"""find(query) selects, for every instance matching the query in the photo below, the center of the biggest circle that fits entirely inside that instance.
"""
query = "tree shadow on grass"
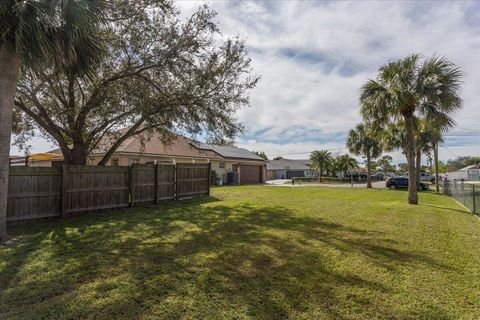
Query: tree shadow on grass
(443, 208)
(200, 259)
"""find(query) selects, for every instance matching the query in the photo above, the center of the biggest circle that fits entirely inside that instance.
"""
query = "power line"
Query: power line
(449, 151)
(297, 153)
(469, 129)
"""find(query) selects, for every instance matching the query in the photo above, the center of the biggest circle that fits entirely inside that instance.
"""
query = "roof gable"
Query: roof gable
(231, 152)
(286, 164)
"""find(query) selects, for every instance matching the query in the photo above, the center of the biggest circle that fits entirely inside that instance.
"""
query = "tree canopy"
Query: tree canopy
(319, 160)
(408, 89)
(460, 162)
(261, 154)
(360, 141)
(158, 73)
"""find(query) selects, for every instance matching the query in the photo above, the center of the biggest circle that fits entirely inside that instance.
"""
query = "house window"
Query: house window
(222, 165)
(115, 162)
(235, 167)
(287, 168)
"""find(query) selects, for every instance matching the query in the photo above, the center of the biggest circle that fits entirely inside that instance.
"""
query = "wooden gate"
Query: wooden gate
(193, 180)
(89, 188)
(152, 183)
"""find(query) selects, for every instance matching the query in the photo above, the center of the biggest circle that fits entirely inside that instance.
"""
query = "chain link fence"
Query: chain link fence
(464, 192)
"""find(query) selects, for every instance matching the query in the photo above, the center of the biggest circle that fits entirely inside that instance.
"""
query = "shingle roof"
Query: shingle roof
(179, 146)
(473, 166)
(288, 164)
(154, 145)
(230, 152)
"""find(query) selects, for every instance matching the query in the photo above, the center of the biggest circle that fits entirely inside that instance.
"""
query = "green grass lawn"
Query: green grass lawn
(251, 253)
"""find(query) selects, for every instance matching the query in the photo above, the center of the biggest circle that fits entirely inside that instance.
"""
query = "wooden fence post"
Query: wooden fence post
(131, 173)
(209, 177)
(473, 199)
(175, 186)
(64, 190)
(156, 183)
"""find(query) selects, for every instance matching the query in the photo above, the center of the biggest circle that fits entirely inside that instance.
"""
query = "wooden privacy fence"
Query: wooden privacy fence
(35, 193)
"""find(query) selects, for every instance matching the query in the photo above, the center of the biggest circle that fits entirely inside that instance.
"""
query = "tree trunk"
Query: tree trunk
(75, 156)
(418, 164)
(321, 170)
(435, 160)
(79, 156)
(9, 66)
(369, 171)
(410, 153)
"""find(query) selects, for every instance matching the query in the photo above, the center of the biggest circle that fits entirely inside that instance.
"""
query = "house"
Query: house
(287, 169)
(135, 150)
(251, 168)
(470, 173)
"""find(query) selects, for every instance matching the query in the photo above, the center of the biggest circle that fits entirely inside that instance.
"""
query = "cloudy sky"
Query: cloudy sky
(314, 56)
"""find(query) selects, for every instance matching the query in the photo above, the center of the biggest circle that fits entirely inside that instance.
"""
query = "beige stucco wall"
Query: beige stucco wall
(40, 163)
(125, 160)
(222, 172)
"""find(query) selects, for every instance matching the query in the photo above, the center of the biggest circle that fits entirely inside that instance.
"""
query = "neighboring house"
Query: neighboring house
(17, 161)
(287, 169)
(471, 173)
(249, 166)
(36, 160)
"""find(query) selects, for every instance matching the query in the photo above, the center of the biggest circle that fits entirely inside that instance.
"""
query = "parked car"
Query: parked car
(378, 176)
(427, 177)
(402, 182)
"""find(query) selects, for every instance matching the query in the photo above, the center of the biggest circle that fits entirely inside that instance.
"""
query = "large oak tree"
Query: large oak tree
(158, 73)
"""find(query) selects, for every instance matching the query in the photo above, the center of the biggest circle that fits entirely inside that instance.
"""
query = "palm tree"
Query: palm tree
(35, 34)
(361, 142)
(346, 163)
(319, 160)
(428, 133)
(408, 88)
(332, 166)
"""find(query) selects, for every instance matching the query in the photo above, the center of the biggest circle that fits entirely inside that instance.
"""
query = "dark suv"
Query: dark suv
(402, 182)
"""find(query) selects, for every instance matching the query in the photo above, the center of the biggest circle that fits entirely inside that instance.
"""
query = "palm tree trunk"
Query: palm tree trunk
(410, 153)
(435, 160)
(9, 66)
(369, 171)
(321, 170)
(418, 164)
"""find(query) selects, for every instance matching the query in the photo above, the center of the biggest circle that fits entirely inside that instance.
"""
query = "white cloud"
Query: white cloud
(314, 56)
(334, 47)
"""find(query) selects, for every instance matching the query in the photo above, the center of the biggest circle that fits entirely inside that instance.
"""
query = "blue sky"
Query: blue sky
(314, 56)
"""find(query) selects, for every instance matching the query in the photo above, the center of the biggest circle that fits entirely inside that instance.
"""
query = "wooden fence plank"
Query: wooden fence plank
(33, 192)
(192, 180)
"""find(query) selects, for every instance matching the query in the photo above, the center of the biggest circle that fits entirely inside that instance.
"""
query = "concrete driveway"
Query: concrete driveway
(282, 183)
